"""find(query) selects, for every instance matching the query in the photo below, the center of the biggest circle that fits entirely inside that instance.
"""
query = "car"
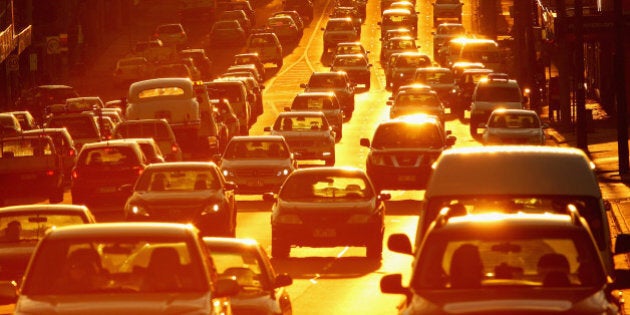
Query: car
(351, 48)
(327, 207)
(483, 50)
(82, 127)
(37, 99)
(514, 126)
(251, 68)
(64, 145)
(268, 47)
(250, 58)
(506, 263)
(235, 91)
(299, 22)
(238, 15)
(325, 102)
(337, 82)
(186, 192)
(195, 73)
(158, 129)
(399, 18)
(403, 150)
(225, 115)
(30, 166)
(9, 125)
(200, 59)
(417, 101)
(401, 71)
(356, 66)
(102, 168)
(351, 12)
(25, 118)
(309, 135)
(284, 27)
(131, 69)
(494, 91)
(467, 81)
(339, 30)
(443, 34)
(171, 34)
(150, 149)
(303, 7)
(398, 32)
(24, 225)
(441, 80)
(123, 268)
(396, 45)
(226, 33)
(83, 103)
(247, 260)
(243, 5)
(451, 9)
(359, 5)
(254, 90)
(404, 4)
(257, 164)
(154, 51)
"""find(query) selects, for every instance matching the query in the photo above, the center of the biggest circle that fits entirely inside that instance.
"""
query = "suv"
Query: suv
(416, 101)
(399, 18)
(337, 82)
(402, 151)
(267, 46)
(339, 30)
(303, 7)
(507, 263)
(498, 90)
(447, 9)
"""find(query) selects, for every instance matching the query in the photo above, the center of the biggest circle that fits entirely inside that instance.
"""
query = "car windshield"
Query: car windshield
(108, 156)
(474, 259)
(417, 100)
(245, 265)
(451, 29)
(349, 62)
(339, 25)
(313, 103)
(32, 226)
(402, 19)
(413, 61)
(79, 128)
(390, 136)
(301, 123)
(349, 50)
(498, 94)
(435, 77)
(178, 179)
(326, 81)
(256, 150)
(330, 188)
(514, 121)
(115, 265)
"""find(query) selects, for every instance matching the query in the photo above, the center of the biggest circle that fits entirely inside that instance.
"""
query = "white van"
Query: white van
(517, 179)
(170, 98)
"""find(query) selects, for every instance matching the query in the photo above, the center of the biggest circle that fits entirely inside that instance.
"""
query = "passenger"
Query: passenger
(466, 267)
(13, 231)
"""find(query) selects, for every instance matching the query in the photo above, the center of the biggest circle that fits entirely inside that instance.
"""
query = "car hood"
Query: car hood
(97, 304)
(505, 301)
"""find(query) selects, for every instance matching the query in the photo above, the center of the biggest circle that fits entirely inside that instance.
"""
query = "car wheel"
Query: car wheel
(388, 82)
(338, 135)
(374, 248)
(330, 161)
(474, 122)
(279, 64)
(280, 249)
(367, 84)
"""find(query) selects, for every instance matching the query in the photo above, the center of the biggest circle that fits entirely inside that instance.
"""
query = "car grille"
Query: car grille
(174, 213)
(254, 172)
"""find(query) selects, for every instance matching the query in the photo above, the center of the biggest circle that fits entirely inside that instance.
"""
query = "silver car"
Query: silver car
(514, 126)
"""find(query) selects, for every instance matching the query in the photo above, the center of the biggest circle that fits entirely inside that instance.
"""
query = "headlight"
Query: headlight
(283, 172)
(359, 219)
(138, 210)
(211, 209)
(288, 219)
(227, 173)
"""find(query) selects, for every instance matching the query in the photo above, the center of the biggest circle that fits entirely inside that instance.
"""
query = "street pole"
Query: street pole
(580, 102)
(620, 92)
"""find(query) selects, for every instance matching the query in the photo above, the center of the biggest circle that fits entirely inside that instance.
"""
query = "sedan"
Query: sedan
(262, 289)
(226, 33)
(356, 66)
(327, 207)
(24, 225)
(514, 126)
(186, 192)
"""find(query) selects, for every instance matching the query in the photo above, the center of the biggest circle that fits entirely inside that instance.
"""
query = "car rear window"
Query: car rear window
(108, 156)
(78, 127)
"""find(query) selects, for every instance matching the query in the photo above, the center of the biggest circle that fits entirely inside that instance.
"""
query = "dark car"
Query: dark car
(337, 82)
(201, 60)
(402, 151)
(36, 100)
(509, 263)
(102, 168)
(64, 145)
(440, 80)
(303, 7)
(186, 192)
(158, 129)
(325, 102)
(262, 289)
(356, 66)
(403, 68)
(229, 33)
(24, 225)
(327, 207)
(257, 164)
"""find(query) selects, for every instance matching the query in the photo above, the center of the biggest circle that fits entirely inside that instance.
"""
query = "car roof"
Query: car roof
(230, 242)
(301, 113)
(414, 119)
(70, 208)
(316, 94)
(109, 143)
(257, 138)
(396, 11)
(122, 229)
(515, 111)
(182, 164)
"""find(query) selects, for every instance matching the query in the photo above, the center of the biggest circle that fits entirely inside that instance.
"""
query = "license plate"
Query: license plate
(324, 233)
(107, 189)
(256, 183)
(406, 178)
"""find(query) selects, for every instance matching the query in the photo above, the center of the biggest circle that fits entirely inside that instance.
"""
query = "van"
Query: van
(482, 50)
(518, 179)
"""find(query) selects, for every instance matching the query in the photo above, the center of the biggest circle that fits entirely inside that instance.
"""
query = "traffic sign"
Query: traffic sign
(53, 45)
(13, 63)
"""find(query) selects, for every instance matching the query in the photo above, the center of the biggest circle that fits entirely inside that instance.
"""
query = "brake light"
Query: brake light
(75, 174)
(174, 148)
(138, 169)
(71, 152)
(50, 172)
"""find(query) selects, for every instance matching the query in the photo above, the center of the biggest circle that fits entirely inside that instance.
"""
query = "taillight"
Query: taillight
(138, 169)
(75, 174)
(50, 172)
(72, 152)
(174, 148)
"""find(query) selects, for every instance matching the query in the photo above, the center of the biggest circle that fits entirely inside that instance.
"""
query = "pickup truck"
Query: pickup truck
(30, 165)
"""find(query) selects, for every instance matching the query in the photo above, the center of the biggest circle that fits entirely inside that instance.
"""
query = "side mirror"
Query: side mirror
(230, 185)
(389, 103)
(323, 29)
(126, 188)
(399, 243)
(269, 197)
(450, 140)
(303, 85)
(282, 280)
(227, 287)
(393, 284)
(8, 292)
(622, 244)
(287, 109)
(525, 100)
(364, 142)
(216, 158)
(384, 196)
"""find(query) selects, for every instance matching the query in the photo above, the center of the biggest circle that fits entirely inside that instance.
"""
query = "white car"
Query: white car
(514, 126)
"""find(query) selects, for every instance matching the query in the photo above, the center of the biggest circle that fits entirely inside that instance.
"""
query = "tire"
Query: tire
(367, 84)
(388, 82)
(374, 248)
(473, 126)
(279, 63)
(330, 161)
(280, 249)
(338, 136)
